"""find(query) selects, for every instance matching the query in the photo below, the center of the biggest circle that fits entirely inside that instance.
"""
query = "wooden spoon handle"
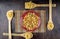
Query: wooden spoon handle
(10, 37)
(50, 10)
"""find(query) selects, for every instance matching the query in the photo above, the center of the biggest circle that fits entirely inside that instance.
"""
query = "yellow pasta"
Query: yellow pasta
(30, 21)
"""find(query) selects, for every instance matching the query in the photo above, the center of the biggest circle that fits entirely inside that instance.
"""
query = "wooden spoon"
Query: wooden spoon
(9, 17)
(50, 24)
(31, 5)
(26, 35)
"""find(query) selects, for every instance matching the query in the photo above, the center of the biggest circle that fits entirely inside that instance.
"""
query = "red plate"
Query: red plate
(30, 20)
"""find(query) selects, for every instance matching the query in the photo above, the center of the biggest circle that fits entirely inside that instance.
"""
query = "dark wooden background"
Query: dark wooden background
(6, 5)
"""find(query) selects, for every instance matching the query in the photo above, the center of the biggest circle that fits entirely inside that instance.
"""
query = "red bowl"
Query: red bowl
(24, 14)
